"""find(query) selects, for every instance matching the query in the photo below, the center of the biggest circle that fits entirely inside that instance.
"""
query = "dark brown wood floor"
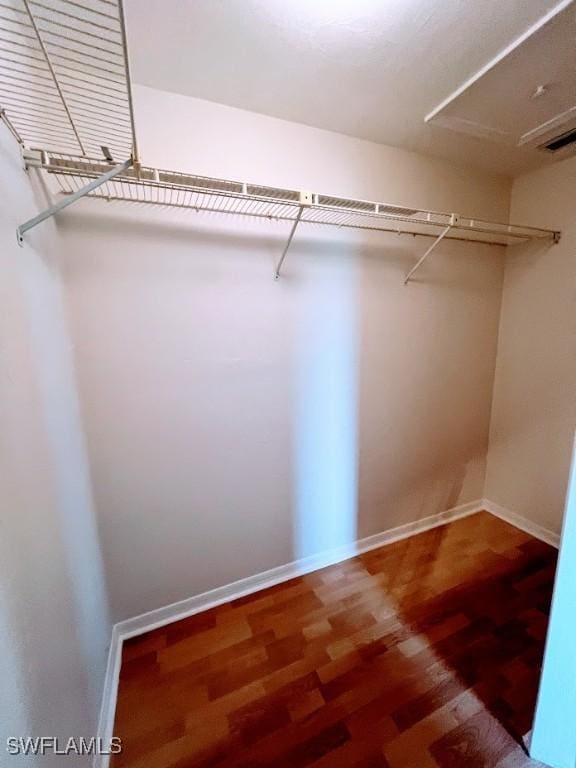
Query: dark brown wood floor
(422, 654)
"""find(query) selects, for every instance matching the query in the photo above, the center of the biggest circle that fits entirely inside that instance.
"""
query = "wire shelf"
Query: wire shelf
(223, 196)
(64, 77)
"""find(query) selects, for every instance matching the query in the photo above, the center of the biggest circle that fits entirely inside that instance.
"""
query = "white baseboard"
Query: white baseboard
(109, 696)
(214, 597)
(146, 622)
(538, 531)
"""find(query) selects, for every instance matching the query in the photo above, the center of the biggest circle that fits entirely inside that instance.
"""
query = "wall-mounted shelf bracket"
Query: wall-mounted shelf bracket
(70, 199)
(4, 119)
(287, 246)
(441, 236)
(305, 199)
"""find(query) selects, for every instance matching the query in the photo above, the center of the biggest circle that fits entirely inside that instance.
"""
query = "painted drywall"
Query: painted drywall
(235, 423)
(187, 134)
(534, 411)
(54, 622)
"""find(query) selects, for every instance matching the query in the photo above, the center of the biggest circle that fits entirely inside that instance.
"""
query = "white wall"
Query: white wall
(54, 624)
(534, 411)
(181, 133)
(235, 423)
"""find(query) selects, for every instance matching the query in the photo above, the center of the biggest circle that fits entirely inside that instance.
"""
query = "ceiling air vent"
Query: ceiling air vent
(564, 140)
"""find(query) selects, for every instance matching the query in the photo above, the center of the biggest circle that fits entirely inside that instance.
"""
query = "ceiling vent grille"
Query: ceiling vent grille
(558, 143)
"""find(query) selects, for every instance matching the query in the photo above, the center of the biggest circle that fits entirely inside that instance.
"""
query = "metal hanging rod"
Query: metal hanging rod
(65, 74)
(73, 176)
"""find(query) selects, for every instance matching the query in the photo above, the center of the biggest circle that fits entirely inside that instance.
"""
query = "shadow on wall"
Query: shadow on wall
(13, 692)
(54, 621)
(60, 407)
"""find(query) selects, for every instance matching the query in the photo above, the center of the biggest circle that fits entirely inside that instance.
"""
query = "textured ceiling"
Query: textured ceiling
(368, 68)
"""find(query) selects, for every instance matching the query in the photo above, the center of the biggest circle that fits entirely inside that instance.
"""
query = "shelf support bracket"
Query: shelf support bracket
(4, 119)
(422, 259)
(70, 199)
(287, 246)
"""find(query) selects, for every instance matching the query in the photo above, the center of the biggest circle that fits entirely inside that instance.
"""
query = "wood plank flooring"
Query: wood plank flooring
(422, 654)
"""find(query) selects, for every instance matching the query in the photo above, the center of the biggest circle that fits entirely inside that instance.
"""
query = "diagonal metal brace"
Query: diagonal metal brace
(436, 242)
(290, 236)
(4, 119)
(70, 199)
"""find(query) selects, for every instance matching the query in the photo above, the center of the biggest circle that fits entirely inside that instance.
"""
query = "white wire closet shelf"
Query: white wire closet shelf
(64, 76)
(204, 193)
(224, 196)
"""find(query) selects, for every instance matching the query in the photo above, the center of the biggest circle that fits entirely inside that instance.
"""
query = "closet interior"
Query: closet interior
(287, 430)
